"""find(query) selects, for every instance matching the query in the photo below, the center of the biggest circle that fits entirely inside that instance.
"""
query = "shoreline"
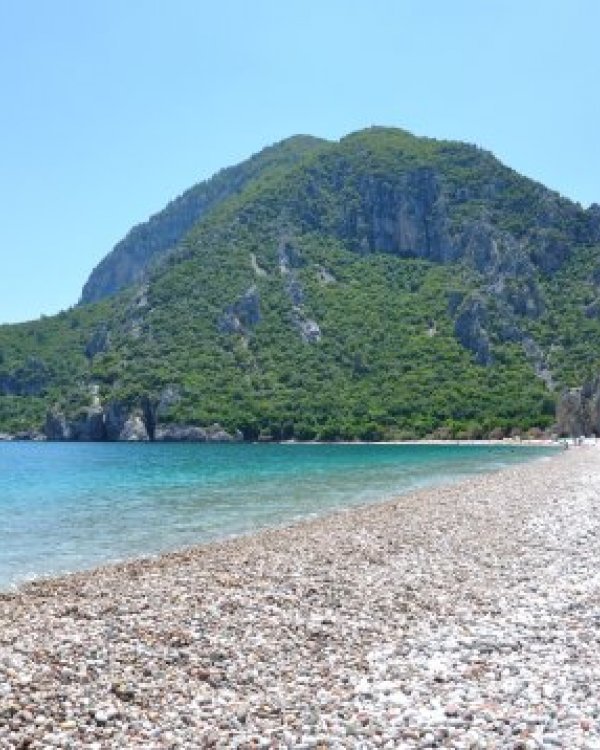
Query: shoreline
(150, 556)
(508, 442)
(40, 438)
(458, 615)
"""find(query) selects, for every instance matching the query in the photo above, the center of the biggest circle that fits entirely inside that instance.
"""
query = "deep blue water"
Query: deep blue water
(69, 506)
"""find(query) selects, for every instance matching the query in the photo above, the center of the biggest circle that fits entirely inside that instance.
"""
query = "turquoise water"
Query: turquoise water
(70, 506)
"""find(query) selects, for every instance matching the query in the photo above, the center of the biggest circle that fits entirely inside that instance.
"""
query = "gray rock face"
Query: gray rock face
(591, 396)
(180, 433)
(247, 308)
(409, 218)
(310, 330)
(229, 323)
(169, 396)
(536, 356)
(571, 417)
(526, 299)
(99, 342)
(513, 285)
(325, 276)
(115, 417)
(243, 314)
(470, 329)
(119, 422)
(491, 251)
(57, 426)
(288, 256)
(216, 434)
(504, 263)
(578, 410)
(155, 409)
(134, 429)
(192, 433)
(88, 425)
(549, 253)
(481, 245)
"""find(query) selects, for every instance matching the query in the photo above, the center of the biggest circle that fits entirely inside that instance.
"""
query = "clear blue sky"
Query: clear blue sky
(110, 108)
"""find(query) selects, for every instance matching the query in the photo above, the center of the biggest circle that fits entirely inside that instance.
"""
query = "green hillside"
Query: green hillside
(148, 243)
(383, 286)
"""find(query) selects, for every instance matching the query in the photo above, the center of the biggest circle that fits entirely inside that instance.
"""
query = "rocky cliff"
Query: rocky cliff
(126, 423)
(578, 410)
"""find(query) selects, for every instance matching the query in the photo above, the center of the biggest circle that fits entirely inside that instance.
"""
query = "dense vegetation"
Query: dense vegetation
(384, 286)
(147, 244)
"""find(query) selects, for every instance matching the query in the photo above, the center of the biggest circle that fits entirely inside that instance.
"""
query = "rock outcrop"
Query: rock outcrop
(550, 252)
(121, 422)
(470, 329)
(176, 433)
(99, 343)
(578, 410)
(115, 417)
(412, 218)
(571, 414)
(57, 426)
(289, 256)
(114, 422)
(88, 425)
(535, 354)
(407, 218)
(243, 314)
(309, 329)
(134, 429)
(194, 434)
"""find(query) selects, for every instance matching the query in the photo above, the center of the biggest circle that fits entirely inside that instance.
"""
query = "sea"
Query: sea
(72, 506)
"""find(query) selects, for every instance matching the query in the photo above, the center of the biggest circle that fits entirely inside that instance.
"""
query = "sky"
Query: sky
(111, 108)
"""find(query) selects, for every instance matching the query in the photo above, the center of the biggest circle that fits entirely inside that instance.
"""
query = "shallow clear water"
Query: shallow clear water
(69, 506)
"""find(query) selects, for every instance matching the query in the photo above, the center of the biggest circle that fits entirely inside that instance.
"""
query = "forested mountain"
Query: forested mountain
(382, 286)
(146, 244)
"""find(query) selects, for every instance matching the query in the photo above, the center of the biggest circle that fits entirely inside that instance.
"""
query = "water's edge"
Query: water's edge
(127, 503)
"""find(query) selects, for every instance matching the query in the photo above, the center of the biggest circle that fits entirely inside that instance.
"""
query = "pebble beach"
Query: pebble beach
(465, 616)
